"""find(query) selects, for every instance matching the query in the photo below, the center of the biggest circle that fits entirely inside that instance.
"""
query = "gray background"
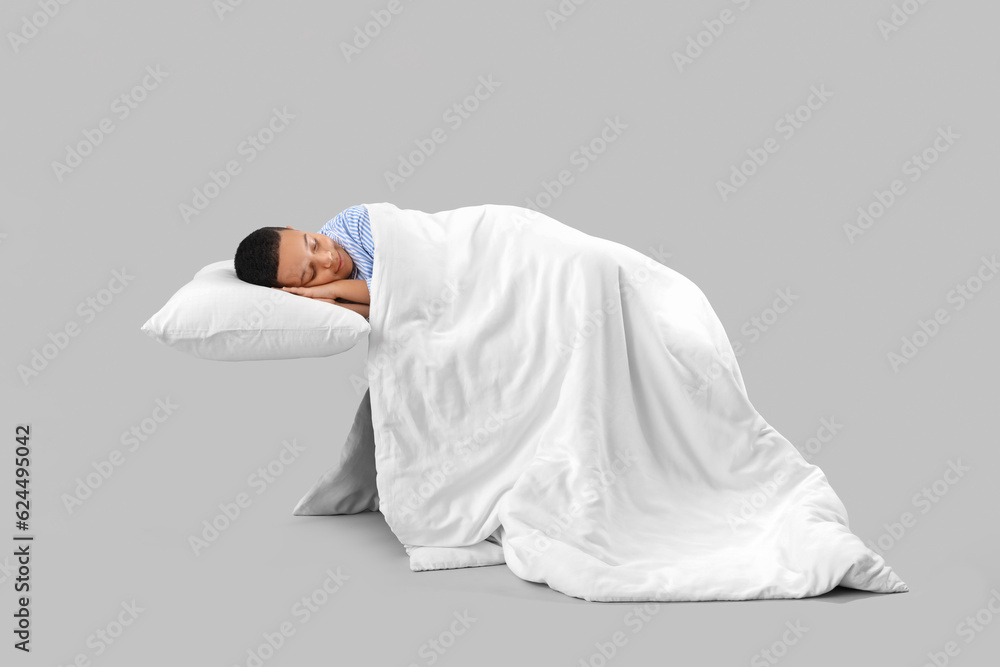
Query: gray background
(653, 188)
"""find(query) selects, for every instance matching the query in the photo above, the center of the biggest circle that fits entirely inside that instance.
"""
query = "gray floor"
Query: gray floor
(218, 605)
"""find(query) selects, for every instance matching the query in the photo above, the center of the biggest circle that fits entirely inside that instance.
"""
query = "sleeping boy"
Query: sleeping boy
(334, 265)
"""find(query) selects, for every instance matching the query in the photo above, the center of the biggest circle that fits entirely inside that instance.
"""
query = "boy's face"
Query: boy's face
(306, 259)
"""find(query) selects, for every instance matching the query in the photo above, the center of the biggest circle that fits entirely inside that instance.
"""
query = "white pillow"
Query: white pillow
(218, 316)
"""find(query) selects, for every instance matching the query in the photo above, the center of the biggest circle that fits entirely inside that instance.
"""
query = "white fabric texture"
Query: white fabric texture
(348, 487)
(220, 317)
(487, 552)
(583, 403)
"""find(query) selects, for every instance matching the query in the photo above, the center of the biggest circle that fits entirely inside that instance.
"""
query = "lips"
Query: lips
(340, 261)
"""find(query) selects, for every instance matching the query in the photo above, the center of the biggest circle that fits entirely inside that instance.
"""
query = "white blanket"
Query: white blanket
(584, 403)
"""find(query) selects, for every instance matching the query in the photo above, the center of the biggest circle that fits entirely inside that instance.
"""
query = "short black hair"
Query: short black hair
(257, 257)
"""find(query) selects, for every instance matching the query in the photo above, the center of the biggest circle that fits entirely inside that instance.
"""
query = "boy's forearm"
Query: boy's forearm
(353, 290)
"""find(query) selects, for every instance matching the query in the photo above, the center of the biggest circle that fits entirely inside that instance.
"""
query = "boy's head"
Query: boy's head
(289, 257)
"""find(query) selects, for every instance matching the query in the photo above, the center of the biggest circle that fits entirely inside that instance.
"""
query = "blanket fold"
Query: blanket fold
(583, 403)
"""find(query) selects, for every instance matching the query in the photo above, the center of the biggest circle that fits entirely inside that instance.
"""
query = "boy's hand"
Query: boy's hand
(327, 291)
(329, 295)
(347, 289)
